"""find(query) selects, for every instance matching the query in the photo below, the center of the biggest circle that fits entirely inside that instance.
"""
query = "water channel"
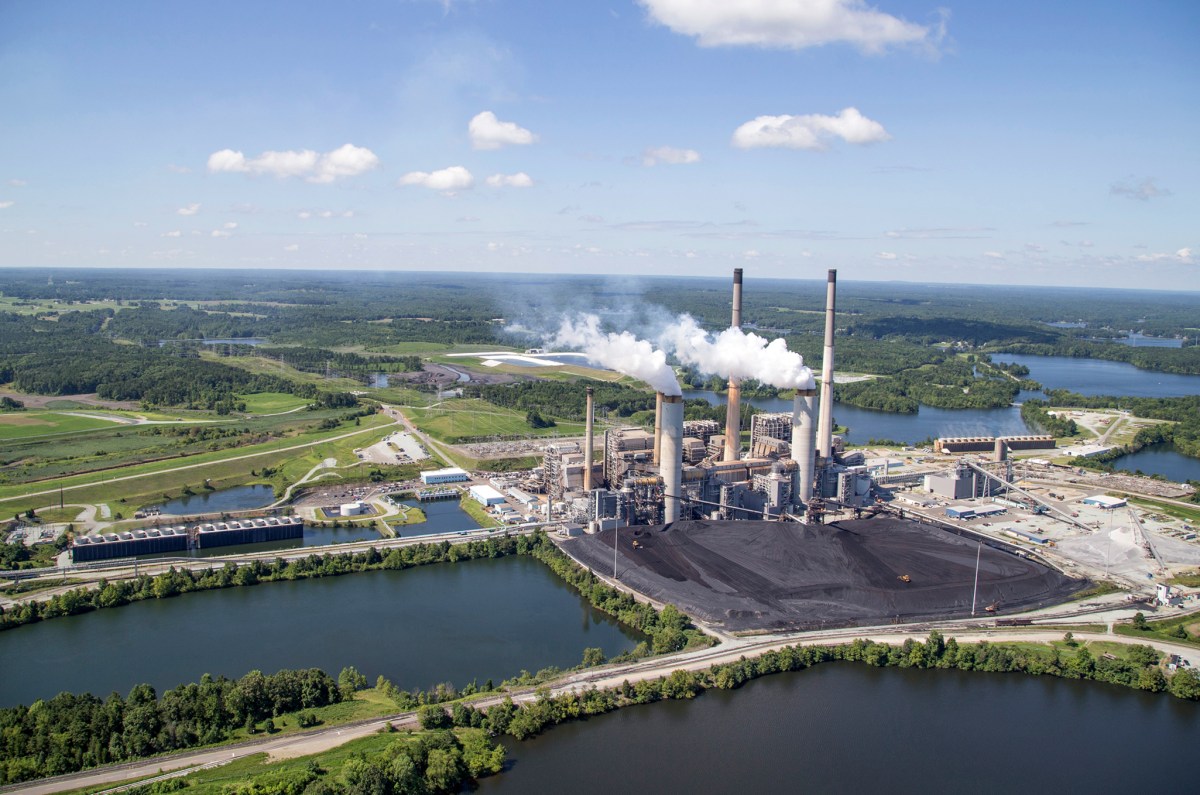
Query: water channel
(441, 516)
(476, 619)
(842, 727)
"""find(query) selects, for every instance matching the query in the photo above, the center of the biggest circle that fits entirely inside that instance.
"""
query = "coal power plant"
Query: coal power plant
(739, 537)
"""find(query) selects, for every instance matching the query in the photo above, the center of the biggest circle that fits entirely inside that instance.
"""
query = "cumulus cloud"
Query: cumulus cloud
(231, 225)
(518, 180)
(221, 233)
(886, 255)
(812, 131)
(448, 180)
(4, 205)
(1182, 255)
(1142, 190)
(792, 24)
(993, 254)
(670, 155)
(190, 209)
(488, 132)
(291, 247)
(172, 233)
(347, 160)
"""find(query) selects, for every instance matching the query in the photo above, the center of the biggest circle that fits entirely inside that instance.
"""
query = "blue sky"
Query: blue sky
(1017, 142)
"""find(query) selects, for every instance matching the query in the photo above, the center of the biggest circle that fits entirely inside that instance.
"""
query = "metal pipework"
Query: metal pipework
(825, 425)
(804, 434)
(733, 409)
(671, 468)
(588, 442)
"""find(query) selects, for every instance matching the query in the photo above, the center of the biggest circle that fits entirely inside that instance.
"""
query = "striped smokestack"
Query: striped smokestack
(588, 442)
(733, 415)
(825, 426)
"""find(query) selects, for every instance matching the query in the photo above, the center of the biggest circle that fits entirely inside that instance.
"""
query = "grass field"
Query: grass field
(153, 479)
(33, 423)
(1177, 511)
(470, 419)
(1167, 629)
(271, 402)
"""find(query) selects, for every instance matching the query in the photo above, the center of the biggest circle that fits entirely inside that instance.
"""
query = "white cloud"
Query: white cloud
(1143, 190)
(231, 225)
(17, 183)
(794, 24)
(751, 253)
(177, 169)
(447, 180)
(885, 255)
(488, 132)
(6, 204)
(304, 215)
(172, 233)
(140, 224)
(190, 209)
(669, 154)
(993, 254)
(345, 161)
(811, 131)
(1184, 254)
(291, 247)
(518, 180)
(221, 233)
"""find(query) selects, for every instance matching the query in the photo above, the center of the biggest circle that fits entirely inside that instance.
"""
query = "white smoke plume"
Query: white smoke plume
(736, 354)
(622, 352)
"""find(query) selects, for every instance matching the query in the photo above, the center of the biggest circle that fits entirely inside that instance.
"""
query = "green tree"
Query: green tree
(350, 681)
(444, 770)
(593, 656)
(1139, 622)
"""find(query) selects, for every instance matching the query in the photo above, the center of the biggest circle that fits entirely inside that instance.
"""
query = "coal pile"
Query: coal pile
(749, 575)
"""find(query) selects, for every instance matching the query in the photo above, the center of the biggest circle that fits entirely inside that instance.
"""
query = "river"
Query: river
(842, 727)
(476, 619)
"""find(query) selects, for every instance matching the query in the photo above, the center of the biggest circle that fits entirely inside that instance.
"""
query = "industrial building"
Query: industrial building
(690, 470)
(448, 475)
(983, 444)
(486, 495)
(1105, 501)
(181, 539)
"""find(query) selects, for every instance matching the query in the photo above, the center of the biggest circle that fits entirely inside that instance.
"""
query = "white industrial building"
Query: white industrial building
(486, 496)
(448, 475)
(1104, 501)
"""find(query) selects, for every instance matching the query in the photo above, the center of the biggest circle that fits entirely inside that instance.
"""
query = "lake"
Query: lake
(441, 516)
(1099, 377)
(842, 727)
(238, 498)
(1161, 459)
(476, 619)
(865, 424)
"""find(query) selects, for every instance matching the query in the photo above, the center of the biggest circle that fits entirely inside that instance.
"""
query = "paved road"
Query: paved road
(607, 676)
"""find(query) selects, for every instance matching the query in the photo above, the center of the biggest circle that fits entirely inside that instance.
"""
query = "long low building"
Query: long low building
(486, 495)
(448, 475)
(983, 444)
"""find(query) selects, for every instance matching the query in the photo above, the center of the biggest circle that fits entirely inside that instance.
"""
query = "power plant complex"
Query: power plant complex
(688, 470)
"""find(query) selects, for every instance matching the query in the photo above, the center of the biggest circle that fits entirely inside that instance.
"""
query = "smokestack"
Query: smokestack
(733, 411)
(588, 442)
(658, 399)
(671, 468)
(1001, 449)
(825, 428)
(804, 435)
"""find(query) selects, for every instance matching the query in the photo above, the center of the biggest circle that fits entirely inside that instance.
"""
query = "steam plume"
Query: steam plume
(622, 352)
(736, 354)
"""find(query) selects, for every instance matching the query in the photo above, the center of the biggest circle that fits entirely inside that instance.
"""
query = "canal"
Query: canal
(473, 620)
(842, 727)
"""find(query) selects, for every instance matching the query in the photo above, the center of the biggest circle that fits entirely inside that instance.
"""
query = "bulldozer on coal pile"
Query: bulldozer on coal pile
(904, 578)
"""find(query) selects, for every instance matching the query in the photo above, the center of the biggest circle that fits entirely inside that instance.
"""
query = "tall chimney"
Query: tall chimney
(671, 467)
(825, 427)
(588, 442)
(733, 411)
(658, 398)
(804, 433)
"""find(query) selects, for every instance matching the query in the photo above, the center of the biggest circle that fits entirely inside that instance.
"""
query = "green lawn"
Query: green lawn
(1163, 629)
(456, 420)
(271, 402)
(1177, 511)
(33, 423)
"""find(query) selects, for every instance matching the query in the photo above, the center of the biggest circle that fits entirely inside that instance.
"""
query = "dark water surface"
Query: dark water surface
(1099, 377)
(476, 619)
(238, 498)
(1161, 459)
(441, 516)
(846, 728)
